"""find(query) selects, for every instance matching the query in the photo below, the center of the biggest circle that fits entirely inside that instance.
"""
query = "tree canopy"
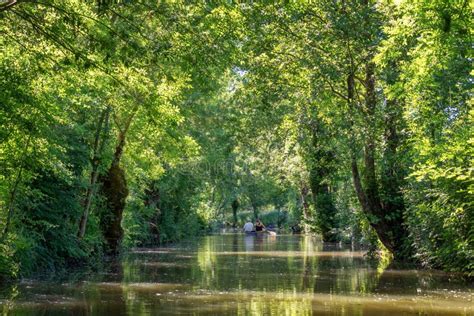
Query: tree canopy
(136, 123)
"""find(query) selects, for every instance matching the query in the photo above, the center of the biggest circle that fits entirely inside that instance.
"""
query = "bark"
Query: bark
(306, 212)
(95, 161)
(354, 165)
(114, 188)
(358, 184)
(370, 177)
(385, 216)
(392, 201)
(235, 207)
(255, 211)
(115, 191)
(367, 194)
(8, 5)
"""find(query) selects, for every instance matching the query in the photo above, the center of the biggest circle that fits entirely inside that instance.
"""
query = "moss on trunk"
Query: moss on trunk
(115, 191)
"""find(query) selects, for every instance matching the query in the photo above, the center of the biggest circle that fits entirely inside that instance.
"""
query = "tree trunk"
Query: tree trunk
(235, 207)
(115, 191)
(255, 211)
(6, 5)
(320, 169)
(95, 161)
(306, 211)
(392, 179)
(384, 216)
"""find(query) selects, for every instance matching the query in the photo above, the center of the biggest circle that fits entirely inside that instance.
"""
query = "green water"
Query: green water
(244, 275)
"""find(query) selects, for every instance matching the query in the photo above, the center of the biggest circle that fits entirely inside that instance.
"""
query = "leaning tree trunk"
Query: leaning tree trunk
(391, 183)
(115, 192)
(386, 217)
(97, 150)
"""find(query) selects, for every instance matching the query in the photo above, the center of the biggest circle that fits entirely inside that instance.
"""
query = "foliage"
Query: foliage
(436, 86)
(136, 124)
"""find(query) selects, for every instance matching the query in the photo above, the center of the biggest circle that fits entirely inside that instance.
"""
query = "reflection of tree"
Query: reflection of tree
(207, 261)
(309, 268)
(115, 295)
(392, 280)
(235, 242)
(343, 274)
(281, 303)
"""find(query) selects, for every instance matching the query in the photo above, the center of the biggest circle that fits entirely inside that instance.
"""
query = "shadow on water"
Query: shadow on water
(236, 274)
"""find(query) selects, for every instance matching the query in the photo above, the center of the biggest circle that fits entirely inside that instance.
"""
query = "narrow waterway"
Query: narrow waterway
(233, 274)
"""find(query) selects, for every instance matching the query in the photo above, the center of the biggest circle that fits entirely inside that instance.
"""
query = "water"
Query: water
(244, 275)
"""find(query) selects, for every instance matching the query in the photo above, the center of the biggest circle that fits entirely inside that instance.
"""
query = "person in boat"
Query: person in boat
(259, 227)
(248, 227)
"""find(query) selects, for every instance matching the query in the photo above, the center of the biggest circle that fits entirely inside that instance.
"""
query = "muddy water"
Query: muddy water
(244, 275)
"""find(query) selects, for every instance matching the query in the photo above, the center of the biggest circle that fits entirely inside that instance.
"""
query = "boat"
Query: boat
(261, 233)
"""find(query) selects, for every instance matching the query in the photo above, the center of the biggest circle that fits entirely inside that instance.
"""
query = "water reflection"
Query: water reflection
(249, 241)
(242, 275)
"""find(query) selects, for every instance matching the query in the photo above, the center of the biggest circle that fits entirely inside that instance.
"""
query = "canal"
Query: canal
(233, 274)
